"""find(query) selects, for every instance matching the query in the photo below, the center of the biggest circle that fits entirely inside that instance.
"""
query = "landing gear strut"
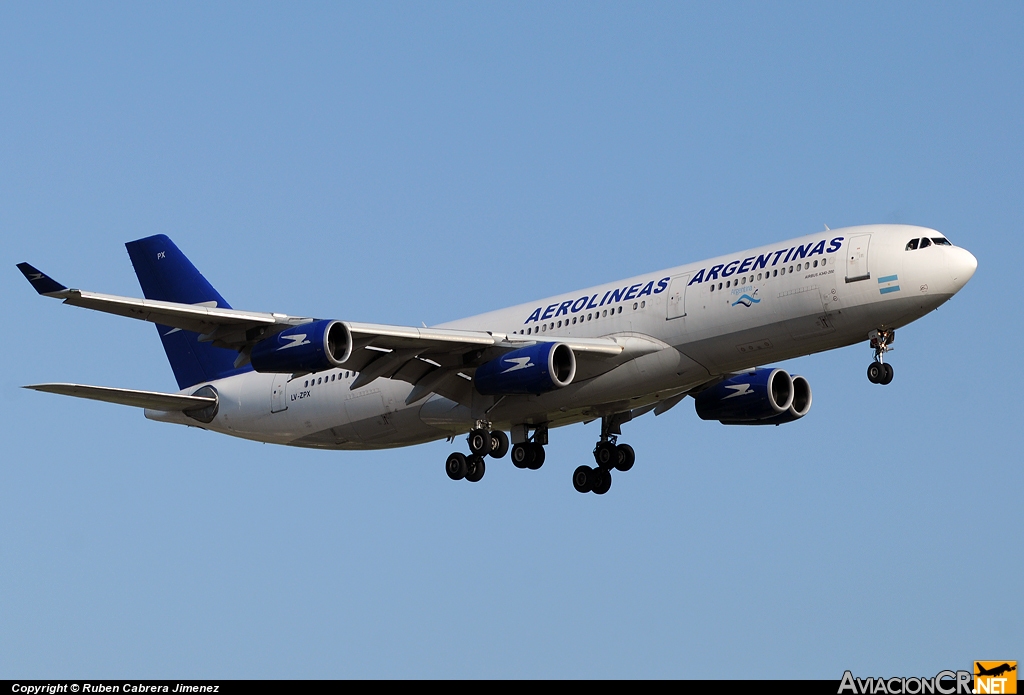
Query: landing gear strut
(482, 442)
(878, 371)
(608, 454)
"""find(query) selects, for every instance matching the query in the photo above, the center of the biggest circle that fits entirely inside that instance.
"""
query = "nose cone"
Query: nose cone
(961, 265)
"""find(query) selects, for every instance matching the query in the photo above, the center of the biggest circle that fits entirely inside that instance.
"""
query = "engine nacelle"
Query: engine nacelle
(751, 398)
(311, 347)
(533, 369)
(801, 405)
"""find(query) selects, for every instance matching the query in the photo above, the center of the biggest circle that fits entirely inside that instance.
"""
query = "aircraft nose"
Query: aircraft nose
(961, 265)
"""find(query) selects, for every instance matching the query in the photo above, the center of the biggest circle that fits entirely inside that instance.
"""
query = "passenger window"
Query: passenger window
(775, 273)
(783, 271)
(712, 288)
(620, 309)
(925, 243)
(719, 285)
(912, 245)
(643, 304)
(306, 385)
(604, 313)
(635, 305)
(559, 324)
(941, 241)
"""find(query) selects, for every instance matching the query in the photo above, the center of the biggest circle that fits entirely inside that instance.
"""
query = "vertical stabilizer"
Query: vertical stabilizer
(167, 275)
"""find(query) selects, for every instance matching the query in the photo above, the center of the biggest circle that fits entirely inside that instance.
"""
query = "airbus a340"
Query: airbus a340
(611, 352)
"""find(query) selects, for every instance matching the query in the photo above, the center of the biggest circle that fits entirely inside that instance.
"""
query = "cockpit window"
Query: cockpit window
(925, 243)
(940, 241)
(912, 245)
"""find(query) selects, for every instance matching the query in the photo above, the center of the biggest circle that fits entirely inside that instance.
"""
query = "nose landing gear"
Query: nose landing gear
(878, 371)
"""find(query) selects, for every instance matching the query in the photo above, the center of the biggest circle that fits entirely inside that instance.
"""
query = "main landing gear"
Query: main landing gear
(608, 455)
(482, 442)
(878, 371)
(530, 453)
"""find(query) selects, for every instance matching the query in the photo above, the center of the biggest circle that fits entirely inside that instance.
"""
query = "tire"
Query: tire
(875, 372)
(456, 466)
(605, 455)
(477, 468)
(499, 444)
(538, 457)
(627, 457)
(582, 479)
(887, 374)
(522, 455)
(479, 442)
(602, 481)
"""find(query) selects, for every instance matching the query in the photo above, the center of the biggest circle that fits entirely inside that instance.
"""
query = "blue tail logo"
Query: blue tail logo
(167, 275)
(747, 300)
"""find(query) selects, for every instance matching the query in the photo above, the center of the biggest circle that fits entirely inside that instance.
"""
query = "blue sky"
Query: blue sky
(400, 163)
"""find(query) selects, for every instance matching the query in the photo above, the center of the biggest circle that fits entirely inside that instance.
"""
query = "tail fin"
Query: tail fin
(167, 275)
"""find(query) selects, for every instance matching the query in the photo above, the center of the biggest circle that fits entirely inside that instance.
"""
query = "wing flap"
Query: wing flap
(137, 399)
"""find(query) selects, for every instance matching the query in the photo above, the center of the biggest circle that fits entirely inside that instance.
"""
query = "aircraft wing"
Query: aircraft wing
(434, 357)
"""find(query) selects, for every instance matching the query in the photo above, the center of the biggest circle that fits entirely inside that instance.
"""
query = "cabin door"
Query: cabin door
(857, 258)
(677, 297)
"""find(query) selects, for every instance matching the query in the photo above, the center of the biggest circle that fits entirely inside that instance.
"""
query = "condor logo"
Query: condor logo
(296, 341)
(519, 362)
(995, 677)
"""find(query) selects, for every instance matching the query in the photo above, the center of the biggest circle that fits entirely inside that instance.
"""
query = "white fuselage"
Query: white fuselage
(722, 315)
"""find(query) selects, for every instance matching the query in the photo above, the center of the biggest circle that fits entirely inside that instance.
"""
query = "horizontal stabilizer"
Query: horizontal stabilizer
(43, 283)
(138, 399)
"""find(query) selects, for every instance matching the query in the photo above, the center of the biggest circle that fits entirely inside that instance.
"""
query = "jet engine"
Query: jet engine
(310, 347)
(759, 397)
(533, 369)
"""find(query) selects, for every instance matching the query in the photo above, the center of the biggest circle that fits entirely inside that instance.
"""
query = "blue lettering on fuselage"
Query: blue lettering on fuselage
(723, 270)
(590, 301)
(761, 261)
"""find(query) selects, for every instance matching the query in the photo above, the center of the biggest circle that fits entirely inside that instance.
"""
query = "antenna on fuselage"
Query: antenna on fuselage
(827, 229)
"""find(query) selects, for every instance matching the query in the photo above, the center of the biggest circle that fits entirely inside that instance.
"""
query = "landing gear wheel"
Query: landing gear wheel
(538, 457)
(582, 479)
(456, 466)
(875, 372)
(479, 442)
(499, 444)
(602, 481)
(476, 468)
(522, 455)
(887, 374)
(605, 455)
(626, 457)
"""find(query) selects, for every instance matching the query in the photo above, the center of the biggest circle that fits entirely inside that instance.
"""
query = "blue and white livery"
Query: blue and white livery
(612, 352)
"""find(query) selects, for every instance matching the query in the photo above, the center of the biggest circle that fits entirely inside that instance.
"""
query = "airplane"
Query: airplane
(995, 671)
(612, 352)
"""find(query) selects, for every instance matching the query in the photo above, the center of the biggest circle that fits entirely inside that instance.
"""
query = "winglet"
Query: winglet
(42, 282)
